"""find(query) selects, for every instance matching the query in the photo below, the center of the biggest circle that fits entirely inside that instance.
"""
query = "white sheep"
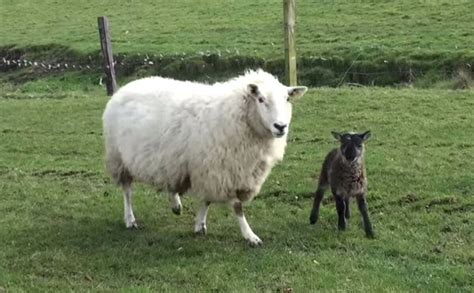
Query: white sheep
(218, 142)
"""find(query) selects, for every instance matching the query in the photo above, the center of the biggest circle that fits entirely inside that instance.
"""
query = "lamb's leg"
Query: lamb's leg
(129, 218)
(247, 232)
(361, 202)
(175, 202)
(200, 224)
(348, 210)
(341, 208)
(318, 197)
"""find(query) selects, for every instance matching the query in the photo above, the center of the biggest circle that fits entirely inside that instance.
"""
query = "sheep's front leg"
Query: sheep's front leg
(341, 210)
(200, 225)
(175, 202)
(247, 232)
(361, 202)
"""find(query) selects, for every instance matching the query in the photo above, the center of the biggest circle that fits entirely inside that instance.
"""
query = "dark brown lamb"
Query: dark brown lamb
(344, 171)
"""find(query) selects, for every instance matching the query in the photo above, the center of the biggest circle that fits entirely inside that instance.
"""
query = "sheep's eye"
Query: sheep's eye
(260, 100)
(288, 99)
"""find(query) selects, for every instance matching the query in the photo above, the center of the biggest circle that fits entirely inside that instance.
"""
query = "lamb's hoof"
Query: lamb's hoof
(200, 230)
(254, 241)
(313, 219)
(342, 226)
(176, 210)
(370, 235)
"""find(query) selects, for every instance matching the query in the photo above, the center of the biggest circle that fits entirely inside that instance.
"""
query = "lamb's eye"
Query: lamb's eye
(261, 100)
(288, 99)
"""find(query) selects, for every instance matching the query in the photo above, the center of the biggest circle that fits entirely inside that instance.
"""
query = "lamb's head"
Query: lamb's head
(352, 145)
(271, 106)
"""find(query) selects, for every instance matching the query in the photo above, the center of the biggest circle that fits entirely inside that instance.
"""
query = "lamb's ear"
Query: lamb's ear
(296, 92)
(336, 135)
(365, 136)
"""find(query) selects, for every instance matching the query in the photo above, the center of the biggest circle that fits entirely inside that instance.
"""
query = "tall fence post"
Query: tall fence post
(290, 50)
(106, 46)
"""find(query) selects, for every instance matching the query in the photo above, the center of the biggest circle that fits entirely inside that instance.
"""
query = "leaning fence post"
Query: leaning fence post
(106, 46)
(290, 50)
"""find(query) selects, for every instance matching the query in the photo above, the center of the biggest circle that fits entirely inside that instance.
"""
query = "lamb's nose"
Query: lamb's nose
(280, 127)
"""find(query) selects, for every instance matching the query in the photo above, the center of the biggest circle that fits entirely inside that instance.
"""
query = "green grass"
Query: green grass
(252, 27)
(61, 219)
(61, 226)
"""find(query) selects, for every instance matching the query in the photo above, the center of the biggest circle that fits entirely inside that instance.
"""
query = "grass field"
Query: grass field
(434, 28)
(61, 225)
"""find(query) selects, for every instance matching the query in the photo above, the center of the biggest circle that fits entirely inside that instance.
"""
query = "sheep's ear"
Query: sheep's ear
(336, 135)
(253, 90)
(296, 92)
(365, 136)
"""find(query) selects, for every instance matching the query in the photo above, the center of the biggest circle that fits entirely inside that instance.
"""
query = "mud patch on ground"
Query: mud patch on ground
(64, 173)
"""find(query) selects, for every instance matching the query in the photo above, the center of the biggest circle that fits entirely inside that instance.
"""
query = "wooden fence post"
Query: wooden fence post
(290, 50)
(106, 46)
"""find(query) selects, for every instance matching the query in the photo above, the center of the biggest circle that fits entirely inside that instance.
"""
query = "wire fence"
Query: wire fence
(150, 60)
(350, 74)
(12, 63)
(95, 64)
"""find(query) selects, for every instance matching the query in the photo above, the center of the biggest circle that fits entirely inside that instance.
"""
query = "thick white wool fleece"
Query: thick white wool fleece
(164, 132)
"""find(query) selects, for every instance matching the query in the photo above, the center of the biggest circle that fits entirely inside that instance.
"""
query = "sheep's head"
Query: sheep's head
(272, 103)
(352, 144)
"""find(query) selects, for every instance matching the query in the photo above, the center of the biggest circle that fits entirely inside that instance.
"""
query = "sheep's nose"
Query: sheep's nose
(280, 127)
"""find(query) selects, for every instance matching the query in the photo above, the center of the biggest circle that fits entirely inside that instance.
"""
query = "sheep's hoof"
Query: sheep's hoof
(176, 210)
(254, 241)
(132, 225)
(370, 235)
(200, 230)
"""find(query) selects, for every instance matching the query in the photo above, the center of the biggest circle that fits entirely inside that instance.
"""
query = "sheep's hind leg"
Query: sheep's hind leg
(129, 217)
(200, 224)
(175, 202)
(247, 232)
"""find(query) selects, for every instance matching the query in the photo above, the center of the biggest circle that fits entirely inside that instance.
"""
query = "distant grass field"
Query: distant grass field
(425, 43)
(433, 28)
(61, 219)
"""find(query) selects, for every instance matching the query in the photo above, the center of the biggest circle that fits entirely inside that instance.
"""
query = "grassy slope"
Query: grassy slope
(61, 223)
(375, 28)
